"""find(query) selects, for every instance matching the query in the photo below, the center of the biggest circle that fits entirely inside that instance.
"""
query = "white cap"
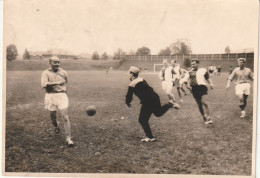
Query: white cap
(134, 70)
(241, 59)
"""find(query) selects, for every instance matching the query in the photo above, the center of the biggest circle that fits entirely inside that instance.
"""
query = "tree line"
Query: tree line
(180, 46)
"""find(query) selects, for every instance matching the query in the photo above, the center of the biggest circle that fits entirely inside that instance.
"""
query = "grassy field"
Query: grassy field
(106, 143)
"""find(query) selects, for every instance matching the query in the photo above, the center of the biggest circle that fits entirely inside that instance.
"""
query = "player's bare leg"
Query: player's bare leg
(202, 104)
(53, 115)
(242, 104)
(179, 93)
(171, 97)
(205, 105)
(182, 89)
(65, 118)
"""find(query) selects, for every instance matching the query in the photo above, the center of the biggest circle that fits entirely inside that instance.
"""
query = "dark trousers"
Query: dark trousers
(149, 108)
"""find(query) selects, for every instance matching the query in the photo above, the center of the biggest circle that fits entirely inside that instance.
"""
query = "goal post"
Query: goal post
(157, 67)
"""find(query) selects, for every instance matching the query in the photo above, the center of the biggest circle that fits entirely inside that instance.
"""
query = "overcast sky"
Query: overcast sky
(85, 26)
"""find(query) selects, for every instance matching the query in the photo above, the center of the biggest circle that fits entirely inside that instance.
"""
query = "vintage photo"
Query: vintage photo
(109, 88)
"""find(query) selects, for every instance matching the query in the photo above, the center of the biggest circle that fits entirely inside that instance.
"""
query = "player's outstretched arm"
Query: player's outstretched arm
(231, 77)
(228, 84)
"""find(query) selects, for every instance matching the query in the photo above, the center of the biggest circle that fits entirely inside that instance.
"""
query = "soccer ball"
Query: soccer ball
(91, 110)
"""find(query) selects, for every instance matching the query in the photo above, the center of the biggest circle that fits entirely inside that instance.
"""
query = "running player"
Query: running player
(184, 80)
(166, 74)
(199, 77)
(242, 76)
(176, 77)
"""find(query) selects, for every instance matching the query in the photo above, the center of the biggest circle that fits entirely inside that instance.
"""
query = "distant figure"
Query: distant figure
(54, 80)
(211, 69)
(107, 69)
(219, 70)
(215, 71)
(242, 76)
(145, 69)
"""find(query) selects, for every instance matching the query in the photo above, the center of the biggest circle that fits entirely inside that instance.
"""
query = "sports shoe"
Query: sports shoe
(243, 114)
(148, 139)
(208, 121)
(69, 141)
(174, 104)
(57, 130)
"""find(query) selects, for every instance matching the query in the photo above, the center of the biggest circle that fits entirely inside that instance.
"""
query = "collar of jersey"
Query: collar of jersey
(50, 69)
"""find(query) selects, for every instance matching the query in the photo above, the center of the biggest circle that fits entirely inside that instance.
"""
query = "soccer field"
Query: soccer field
(105, 143)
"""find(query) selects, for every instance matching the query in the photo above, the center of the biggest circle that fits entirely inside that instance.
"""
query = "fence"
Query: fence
(206, 57)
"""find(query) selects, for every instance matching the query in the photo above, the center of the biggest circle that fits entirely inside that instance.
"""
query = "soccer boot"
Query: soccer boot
(148, 139)
(69, 141)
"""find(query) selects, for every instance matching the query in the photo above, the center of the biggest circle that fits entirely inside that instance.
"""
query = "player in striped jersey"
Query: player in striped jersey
(199, 77)
(166, 74)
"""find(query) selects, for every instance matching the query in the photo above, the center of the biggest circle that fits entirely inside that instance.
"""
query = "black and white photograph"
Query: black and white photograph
(129, 88)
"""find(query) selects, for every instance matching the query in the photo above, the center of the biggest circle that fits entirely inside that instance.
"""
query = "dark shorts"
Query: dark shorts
(211, 71)
(176, 82)
(199, 90)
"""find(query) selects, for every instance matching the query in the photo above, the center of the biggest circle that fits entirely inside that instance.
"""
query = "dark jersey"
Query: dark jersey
(141, 89)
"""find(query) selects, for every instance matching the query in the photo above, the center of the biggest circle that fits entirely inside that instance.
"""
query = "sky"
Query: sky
(85, 26)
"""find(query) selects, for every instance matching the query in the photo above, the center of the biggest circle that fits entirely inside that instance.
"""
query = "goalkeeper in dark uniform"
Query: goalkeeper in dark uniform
(149, 99)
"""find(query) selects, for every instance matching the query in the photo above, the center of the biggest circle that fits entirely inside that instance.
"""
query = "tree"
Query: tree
(143, 51)
(11, 52)
(131, 52)
(119, 54)
(187, 62)
(227, 50)
(181, 46)
(95, 56)
(165, 52)
(26, 54)
(104, 56)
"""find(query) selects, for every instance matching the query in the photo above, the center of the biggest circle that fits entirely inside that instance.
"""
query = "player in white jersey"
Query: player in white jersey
(166, 74)
(184, 80)
(176, 77)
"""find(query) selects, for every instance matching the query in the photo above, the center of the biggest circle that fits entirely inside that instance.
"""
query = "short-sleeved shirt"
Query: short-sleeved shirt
(198, 77)
(242, 75)
(50, 76)
(167, 73)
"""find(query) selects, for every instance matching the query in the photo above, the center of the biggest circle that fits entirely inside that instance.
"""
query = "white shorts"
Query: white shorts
(184, 80)
(55, 101)
(243, 88)
(167, 86)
